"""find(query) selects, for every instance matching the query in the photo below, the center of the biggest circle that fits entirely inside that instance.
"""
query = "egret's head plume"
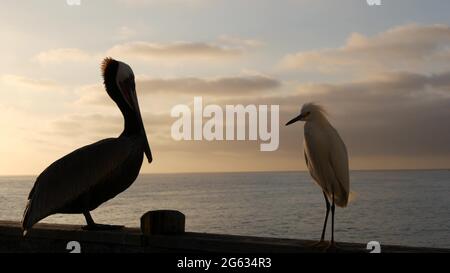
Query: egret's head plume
(312, 111)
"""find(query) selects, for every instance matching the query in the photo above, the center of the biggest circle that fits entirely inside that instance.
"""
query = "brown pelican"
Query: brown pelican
(84, 179)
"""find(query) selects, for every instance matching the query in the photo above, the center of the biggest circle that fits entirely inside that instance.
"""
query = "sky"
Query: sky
(382, 73)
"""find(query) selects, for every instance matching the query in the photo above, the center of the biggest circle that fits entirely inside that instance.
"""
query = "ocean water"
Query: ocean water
(392, 207)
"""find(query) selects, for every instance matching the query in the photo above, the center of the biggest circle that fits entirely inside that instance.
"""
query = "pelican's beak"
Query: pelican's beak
(135, 103)
(294, 120)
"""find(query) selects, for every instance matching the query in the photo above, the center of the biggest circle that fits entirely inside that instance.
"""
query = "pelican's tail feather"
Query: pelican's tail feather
(32, 213)
(28, 218)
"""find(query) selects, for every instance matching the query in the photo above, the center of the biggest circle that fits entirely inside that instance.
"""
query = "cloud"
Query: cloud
(237, 41)
(225, 47)
(381, 116)
(398, 84)
(92, 94)
(95, 126)
(395, 114)
(77, 125)
(29, 83)
(399, 47)
(387, 120)
(222, 86)
(146, 50)
(61, 55)
(390, 115)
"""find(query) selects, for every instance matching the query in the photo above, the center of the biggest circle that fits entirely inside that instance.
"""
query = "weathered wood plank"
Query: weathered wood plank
(163, 222)
(54, 238)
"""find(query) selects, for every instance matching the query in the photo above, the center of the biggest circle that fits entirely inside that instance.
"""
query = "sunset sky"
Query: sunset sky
(383, 74)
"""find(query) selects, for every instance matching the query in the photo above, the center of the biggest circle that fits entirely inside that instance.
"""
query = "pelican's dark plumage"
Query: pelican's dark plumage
(84, 179)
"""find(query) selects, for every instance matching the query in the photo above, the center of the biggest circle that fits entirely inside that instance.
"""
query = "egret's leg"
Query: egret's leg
(91, 225)
(321, 243)
(332, 221)
(322, 238)
(332, 247)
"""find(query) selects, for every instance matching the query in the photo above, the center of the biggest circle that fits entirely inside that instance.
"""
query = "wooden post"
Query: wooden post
(163, 222)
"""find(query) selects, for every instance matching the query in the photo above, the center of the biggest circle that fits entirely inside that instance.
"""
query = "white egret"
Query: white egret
(326, 158)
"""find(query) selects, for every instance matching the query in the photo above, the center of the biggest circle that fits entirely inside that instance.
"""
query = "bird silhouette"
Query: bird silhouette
(327, 160)
(87, 177)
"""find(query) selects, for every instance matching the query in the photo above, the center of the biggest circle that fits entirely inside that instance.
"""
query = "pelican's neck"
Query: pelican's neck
(131, 125)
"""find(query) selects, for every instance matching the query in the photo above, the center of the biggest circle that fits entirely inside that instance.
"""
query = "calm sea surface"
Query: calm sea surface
(392, 207)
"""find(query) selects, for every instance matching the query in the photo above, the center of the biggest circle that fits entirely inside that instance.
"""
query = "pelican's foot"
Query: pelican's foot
(94, 227)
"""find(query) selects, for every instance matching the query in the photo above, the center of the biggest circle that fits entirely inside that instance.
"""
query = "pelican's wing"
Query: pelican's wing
(74, 174)
(339, 164)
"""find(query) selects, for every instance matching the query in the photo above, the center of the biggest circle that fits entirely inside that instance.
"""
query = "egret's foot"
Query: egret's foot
(319, 244)
(332, 248)
(94, 227)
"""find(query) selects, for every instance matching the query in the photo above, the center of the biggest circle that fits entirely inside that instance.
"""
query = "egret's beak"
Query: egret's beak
(294, 120)
(135, 103)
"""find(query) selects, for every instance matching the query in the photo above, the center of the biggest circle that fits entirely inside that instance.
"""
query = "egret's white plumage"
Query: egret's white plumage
(326, 157)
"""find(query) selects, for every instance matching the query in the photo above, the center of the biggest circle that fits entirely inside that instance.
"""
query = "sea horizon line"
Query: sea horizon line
(255, 171)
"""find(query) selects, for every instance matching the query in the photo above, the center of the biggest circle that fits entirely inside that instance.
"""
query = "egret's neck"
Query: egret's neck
(319, 119)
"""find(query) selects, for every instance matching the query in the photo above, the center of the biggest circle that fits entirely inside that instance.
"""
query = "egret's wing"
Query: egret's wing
(74, 174)
(339, 164)
(314, 149)
(327, 161)
(309, 163)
